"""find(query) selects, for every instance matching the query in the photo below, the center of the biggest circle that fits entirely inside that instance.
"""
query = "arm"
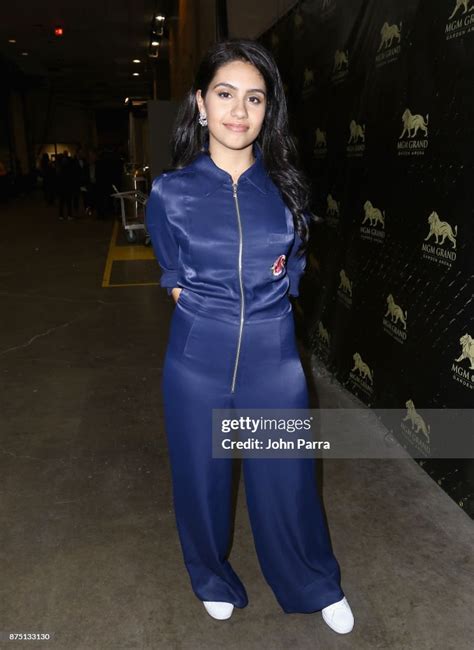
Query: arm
(296, 263)
(162, 237)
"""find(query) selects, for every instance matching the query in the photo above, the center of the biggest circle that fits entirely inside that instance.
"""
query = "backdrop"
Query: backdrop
(381, 102)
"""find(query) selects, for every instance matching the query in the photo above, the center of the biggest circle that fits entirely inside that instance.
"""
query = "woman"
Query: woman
(228, 226)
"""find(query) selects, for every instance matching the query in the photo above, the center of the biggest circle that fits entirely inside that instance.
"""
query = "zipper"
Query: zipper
(242, 304)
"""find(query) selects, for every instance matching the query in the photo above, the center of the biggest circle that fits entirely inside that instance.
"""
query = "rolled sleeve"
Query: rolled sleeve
(162, 237)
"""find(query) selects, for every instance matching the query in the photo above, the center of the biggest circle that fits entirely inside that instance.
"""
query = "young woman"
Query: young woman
(229, 227)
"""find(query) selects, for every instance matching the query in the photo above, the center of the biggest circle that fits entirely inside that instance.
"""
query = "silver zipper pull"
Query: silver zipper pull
(234, 188)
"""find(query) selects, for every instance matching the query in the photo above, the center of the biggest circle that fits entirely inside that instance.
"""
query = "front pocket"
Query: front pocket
(201, 344)
(180, 294)
(210, 349)
(181, 326)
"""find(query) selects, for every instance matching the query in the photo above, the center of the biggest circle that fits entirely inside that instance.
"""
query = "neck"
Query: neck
(233, 161)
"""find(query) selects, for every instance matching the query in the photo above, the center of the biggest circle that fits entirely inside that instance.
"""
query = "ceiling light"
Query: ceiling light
(159, 17)
(136, 74)
(136, 61)
(11, 40)
(155, 43)
(24, 54)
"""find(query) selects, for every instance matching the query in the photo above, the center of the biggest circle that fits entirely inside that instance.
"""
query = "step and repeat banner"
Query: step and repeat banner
(380, 96)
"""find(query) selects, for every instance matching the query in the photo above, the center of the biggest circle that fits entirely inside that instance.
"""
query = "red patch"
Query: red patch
(278, 265)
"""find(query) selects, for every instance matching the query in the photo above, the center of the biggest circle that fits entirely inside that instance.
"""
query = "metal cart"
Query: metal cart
(132, 207)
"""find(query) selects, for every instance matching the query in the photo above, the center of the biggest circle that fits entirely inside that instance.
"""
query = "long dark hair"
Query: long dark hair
(280, 155)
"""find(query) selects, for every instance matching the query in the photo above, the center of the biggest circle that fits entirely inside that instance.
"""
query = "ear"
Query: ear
(199, 100)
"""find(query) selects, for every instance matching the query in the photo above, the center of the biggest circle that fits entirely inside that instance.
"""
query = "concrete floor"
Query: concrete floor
(89, 544)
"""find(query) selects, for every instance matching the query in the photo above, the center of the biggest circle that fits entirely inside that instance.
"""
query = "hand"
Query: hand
(176, 293)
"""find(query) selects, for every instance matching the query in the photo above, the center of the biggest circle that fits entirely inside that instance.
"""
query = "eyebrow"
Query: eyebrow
(250, 90)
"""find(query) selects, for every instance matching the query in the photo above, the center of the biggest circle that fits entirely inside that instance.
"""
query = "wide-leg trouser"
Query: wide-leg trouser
(290, 533)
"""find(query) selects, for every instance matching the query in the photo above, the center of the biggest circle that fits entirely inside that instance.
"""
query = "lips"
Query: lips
(238, 128)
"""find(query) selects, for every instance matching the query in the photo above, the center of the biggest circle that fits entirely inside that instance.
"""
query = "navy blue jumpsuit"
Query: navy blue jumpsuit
(232, 249)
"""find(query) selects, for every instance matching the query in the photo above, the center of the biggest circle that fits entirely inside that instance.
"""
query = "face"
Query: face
(234, 105)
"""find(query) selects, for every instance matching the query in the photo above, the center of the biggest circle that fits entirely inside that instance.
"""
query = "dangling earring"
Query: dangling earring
(202, 120)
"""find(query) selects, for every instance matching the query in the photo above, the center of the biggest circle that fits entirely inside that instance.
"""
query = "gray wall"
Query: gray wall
(161, 115)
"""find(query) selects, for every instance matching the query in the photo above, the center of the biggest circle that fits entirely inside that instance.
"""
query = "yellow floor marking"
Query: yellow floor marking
(120, 253)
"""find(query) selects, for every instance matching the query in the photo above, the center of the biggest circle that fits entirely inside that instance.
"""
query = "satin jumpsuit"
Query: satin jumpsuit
(232, 249)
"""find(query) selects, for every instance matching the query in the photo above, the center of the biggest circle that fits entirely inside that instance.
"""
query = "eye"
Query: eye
(224, 92)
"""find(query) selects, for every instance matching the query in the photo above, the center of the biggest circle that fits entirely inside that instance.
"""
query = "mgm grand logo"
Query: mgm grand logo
(332, 211)
(361, 374)
(320, 148)
(356, 143)
(327, 7)
(322, 341)
(461, 20)
(389, 47)
(323, 335)
(340, 68)
(298, 20)
(375, 220)
(395, 320)
(416, 430)
(308, 82)
(413, 145)
(464, 374)
(443, 249)
(344, 290)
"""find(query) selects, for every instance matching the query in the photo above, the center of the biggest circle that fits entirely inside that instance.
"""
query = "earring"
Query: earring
(202, 120)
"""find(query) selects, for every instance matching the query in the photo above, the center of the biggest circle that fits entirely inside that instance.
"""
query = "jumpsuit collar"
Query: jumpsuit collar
(215, 176)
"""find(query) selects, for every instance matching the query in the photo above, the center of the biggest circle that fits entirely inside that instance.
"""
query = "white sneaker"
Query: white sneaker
(339, 616)
(217, 609)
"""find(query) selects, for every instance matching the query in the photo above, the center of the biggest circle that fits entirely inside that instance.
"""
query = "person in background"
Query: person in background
(103, 184)
(65, 184)
(90, 197)
(47, 172)
(76, 180)
(82, 178)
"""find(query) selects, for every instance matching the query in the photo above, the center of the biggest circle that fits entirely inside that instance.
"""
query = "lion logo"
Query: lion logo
(395, 312)
(416, 421)
(373, 215)
(467, 350)
(323, 333)
(308, 77)
(345, 283)
(388, 33)
(413, 123)
(459, 4)
(441, 229)
(320, 139)
(357, 131)
(333, 206)
(340, 58)
(362, 368)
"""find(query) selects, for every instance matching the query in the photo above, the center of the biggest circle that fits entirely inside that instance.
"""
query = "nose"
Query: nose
(239, 109)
